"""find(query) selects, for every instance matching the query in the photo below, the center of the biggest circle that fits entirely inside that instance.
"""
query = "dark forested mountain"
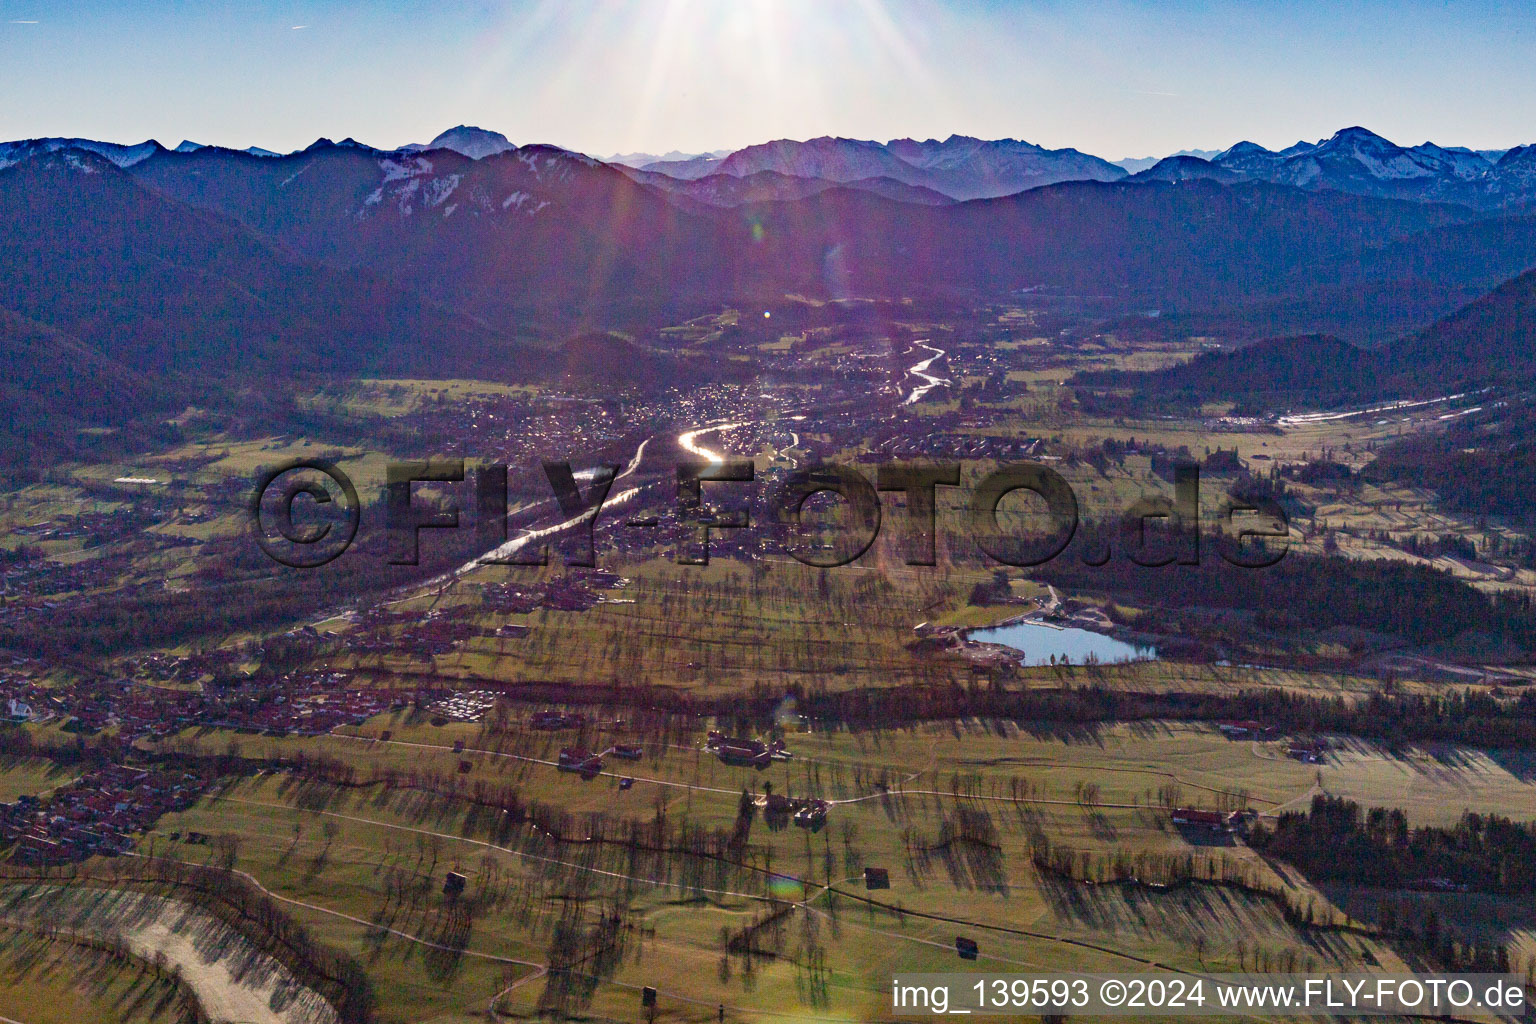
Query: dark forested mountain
(50, 372)
(1187, 168)
(56, 386)
(262, 261)
(1482, 464)
(606, 361)
(1187, 244)
(535, 227)
(1276, 373)
(163, 289)
(539, 228)
(1488, 342)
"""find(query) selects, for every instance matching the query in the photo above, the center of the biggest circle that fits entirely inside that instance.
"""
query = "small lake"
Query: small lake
(1038, 643)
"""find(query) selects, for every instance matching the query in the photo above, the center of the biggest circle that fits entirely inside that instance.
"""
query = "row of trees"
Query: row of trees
(1301, 591)
(1417, 930)
(1336, 839)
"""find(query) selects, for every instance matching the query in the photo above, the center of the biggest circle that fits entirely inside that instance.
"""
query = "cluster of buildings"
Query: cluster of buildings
(1307, 749)
(554, 721)
(96, 814)
(1211, 821)
(1247, 729)
(300, 703)
(34, 586)
(95, 527)
(468, 706)
(521, 431)
(949, 446)
(379, 631)
(24, 700)
(581, 761)
(312, 707)
(808, 813)
(37, 586)
(182, 668)
(576, 591)
(742, 751)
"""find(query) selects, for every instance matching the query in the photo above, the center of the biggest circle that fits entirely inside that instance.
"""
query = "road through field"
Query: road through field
(887, 794)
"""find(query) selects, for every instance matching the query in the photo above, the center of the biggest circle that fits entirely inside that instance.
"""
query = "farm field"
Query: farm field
(21, 776)
(363, 865)
(438, 849)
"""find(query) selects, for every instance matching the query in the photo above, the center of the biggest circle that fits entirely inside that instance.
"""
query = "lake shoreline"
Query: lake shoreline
(1079, 643)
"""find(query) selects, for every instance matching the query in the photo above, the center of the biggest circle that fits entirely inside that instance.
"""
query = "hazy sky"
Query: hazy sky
(1118, 79)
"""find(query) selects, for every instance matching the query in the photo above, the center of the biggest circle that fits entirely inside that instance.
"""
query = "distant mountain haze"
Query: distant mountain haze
(1132, 165)
(640, 161)
(1352, 160)
(768, 186)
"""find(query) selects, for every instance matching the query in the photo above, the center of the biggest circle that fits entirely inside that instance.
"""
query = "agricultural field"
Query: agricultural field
(958, 814)
(1028, 807)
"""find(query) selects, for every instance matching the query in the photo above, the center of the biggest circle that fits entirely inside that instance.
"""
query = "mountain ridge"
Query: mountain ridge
(1353, 160)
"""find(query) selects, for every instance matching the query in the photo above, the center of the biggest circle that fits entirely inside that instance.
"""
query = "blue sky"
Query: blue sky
(1127, 78)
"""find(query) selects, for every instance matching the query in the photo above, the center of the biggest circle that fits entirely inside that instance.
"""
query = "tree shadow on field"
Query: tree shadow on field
(1183, 913)
(1100, 827)
(1150, 729)
(968, 850)
(1519, 763)
(311, 795)
(1069, 733)
(1199, 835)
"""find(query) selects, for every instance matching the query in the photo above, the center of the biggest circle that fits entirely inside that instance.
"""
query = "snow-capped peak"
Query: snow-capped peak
(122, 156)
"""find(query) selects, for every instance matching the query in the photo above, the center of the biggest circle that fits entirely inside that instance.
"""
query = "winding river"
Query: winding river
(920, 369)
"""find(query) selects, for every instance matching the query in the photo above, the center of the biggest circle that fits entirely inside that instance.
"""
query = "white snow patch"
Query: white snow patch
(1398, 166)
(407, 193)
(439, 189)
(395, 170)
